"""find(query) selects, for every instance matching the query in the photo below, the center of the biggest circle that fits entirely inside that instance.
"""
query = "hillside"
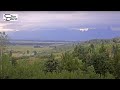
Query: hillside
(99, 41)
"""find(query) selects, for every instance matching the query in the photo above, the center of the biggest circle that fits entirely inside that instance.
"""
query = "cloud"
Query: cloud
(83, 29)
(43, 19)
(4, 29)
(7, 30)
(4, 24)
(31, 20)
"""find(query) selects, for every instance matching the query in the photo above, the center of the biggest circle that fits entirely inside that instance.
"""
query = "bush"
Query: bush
(69, 63)
(51, 64)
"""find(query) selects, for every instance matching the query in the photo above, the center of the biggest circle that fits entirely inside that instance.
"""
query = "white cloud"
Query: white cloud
(83, 29)
(4, 24)
(3, 27)
(7, 30)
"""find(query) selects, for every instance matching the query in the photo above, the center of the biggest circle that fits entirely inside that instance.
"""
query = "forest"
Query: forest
(93, 59)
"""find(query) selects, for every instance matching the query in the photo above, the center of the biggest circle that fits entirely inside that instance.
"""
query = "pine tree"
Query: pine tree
(116, 61)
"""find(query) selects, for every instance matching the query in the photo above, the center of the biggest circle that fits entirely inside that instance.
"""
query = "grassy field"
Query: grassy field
(21, 50)
(24, 48)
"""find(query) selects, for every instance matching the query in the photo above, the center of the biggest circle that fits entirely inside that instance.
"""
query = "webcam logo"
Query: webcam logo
(10, 17)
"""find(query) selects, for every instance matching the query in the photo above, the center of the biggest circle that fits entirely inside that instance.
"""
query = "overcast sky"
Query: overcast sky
(57, 19)
(82, 21)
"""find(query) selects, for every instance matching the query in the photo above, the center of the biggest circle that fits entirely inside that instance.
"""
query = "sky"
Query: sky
(62, 25)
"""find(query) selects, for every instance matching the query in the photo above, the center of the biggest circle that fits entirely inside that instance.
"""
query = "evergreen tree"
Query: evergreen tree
(116, 62)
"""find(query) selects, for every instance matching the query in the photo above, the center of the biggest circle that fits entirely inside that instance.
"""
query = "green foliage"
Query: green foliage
(100, 64)
(102, 49)
(116, 61)
(51, 64)
(6, 70)
(24, 70)
(86, 61)
(35, 52)
(69, 63)
(10, 53)
(92, 48)
(28, 51)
